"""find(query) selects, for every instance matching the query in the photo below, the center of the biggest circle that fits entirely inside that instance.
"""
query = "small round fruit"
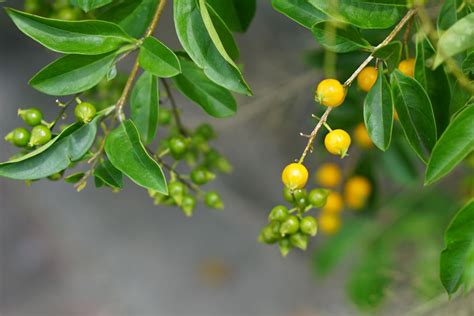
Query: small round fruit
(40, 135)
(285, 246)
(164, 116)
(337, 142)
(362, 137)
(201, 175)
(407, 67)
(367, 78)
(302, 202)
(290, 225)
(188, 204)
(294, 176)
(177, 191)
(212, 199)
(299, 240)
(31, 116)
(288, 196)
(318, 197)
(19, 137)
(329, 224)
(267, 236)
(330, 92)
(206, 131)
(84, 112)
(308, 225)
(278, 213)
(334, 203)
(178, 147)
(300, 193)
(328, 175)
(356, 191)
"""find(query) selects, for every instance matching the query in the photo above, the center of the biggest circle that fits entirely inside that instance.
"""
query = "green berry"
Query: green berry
(308, 225)
(299, 240)
(302, 202)
(55, 177)
(178, 147)
(300, 193)
(164, 116)
(318, 197)
(285, 246)
(188, 204)
(19, 137)
(32, 6)
(177, 191)
(267, 235)
(84, 112)
(206, 131)
(287, 195)
(31, 116)
(40, 135)
(223, 165)
(201, 176)
(67, 14)
(290, 225)
(213, 200)
(200, 142)
(278, 213)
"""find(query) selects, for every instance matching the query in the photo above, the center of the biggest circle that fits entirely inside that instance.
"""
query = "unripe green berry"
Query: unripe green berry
(285, 246)
(19, 137)
(206, 131)
(308, 225)
(287, 195)
(31, 116)
(188, 204)
(300, 193)
(290, 225)
(40, 135)
(278, 213)
(318, 197)
(177, 191)
(299, 240)
(178, 147)
(212, 199)
(223, 165)
(302, 202)
(201, 176)
(84, 112)
(164, 116)
(55, 177)
(267, 235)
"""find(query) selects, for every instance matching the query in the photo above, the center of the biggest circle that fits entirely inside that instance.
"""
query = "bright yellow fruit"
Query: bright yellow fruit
(294, 176)
(328, 175)
(330, 92)
(329, 224)
(357, 191)
(407, 67)
(367, 78)
(362, 137)
(337, 142)
(334, 203)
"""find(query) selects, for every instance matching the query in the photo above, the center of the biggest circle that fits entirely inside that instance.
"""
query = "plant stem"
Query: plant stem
(181, 178)
(174, 108)
(314, 133)
(63, 110)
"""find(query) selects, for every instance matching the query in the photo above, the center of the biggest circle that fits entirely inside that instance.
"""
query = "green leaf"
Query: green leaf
(74, 177)
(459, 99)
(237, 14)
(363, 13)
(198, 44)
(468, 64)
(435, 83)
(69, 146)
(88, 5)
(448, 15)
(71, 37)
(126, 152)
(415, 113)
(457, 259)
(144, 106)
(398, 162)
(339, 38)
(158, 59)
(390, 54)
(133, 16)
(300, 11)
(72, 74)
(458, 38)
(378, 112)
(214, 99)
(225, 35)
(109, 175)
(452, 147)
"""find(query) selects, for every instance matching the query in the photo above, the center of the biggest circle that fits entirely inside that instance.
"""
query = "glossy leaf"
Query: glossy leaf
(109, 175)
(362, 13)
(88, 37)
(339, 38)
(468, 64)
(88, 5)
(459, 99)
(378, 112)
(415, 113)
(144, 106)
(225, 34)
(458, 38)
(72, 74)
(237, 14)
(448, 14)
(194, 38)
(390, 54)
(158, 59)
(452, 147)
(435, 83)
(133, 16)
(126, 152)
(300, 11)
(457, 259)
(213, 99)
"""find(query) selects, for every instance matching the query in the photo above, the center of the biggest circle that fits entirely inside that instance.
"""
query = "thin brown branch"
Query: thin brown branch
(190, 185)
(314, 133)
(174, 108)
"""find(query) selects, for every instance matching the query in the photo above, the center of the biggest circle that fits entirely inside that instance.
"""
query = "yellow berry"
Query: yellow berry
(367, 78)
(328, 175)
(356, 192)
(334, 203)
(407, 67)
(362, 137)
(294, 176)
(329, 224)
(337, 142)
(330, 92)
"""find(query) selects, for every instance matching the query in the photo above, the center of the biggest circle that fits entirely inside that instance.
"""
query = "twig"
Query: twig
(174, 108)
(171, 169)
(314, 133)
(63, 110)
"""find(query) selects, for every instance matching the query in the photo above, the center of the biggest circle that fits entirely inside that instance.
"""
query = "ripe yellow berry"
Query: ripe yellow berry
(328, 175)
(407, 67)
(356, 192)
(362, 137)
(330, 92)
(367, 78)
(334, 204)
(294, 176)
(329, 224)
(337, 142)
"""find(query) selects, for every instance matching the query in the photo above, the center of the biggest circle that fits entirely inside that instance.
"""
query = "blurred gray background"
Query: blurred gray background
(97, 253)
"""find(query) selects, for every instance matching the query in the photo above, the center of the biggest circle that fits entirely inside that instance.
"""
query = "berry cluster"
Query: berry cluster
(57, 9)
